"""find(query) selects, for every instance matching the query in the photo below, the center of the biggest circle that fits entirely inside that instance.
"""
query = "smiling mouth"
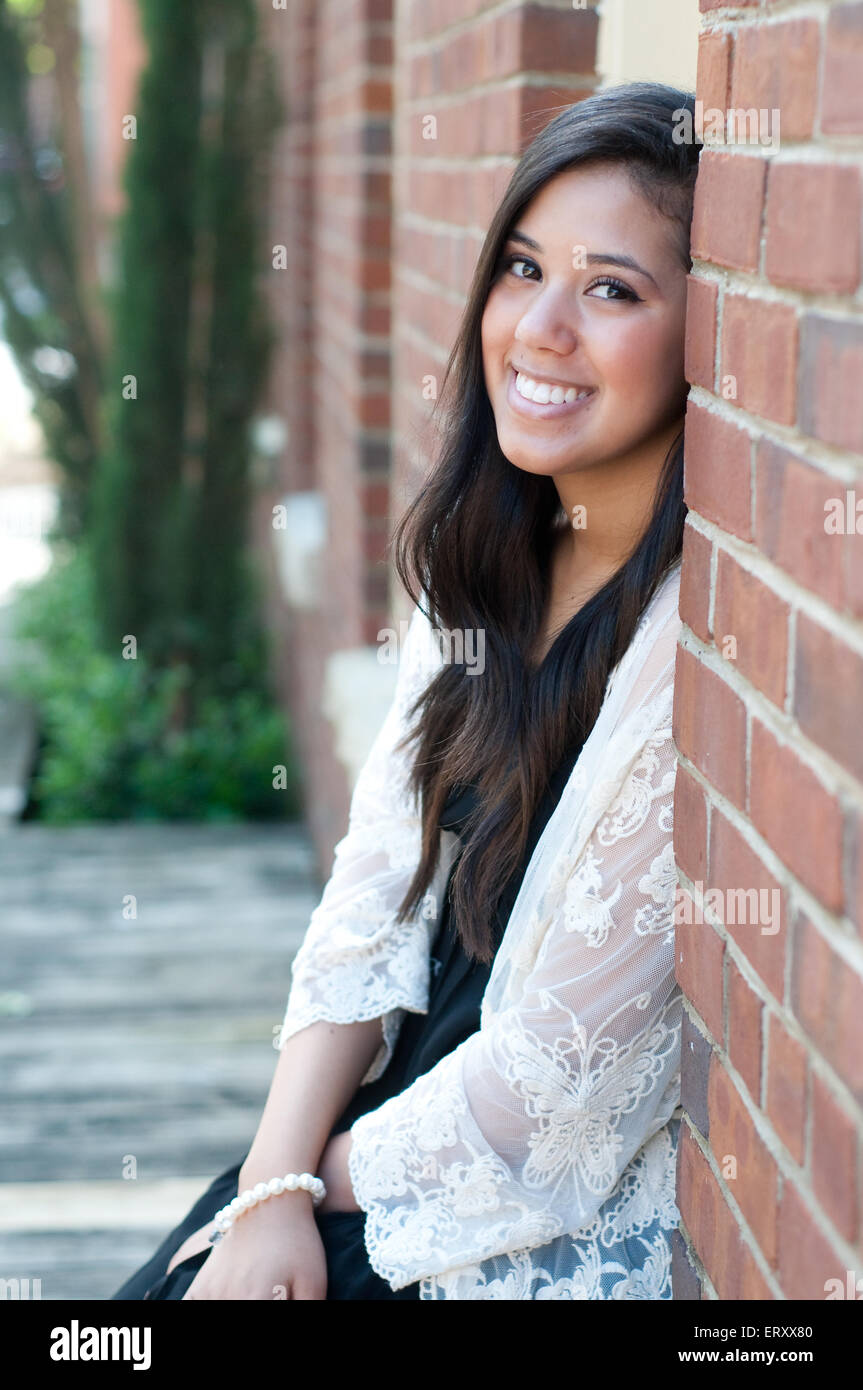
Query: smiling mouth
(544, 399)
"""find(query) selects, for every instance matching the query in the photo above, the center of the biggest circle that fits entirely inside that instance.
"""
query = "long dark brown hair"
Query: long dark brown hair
(476, 543)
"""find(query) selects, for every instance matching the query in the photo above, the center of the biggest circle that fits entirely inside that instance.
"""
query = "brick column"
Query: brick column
(769, 699)
(328, 287)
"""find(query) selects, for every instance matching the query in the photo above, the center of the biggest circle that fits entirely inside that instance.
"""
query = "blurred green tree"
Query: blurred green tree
(190, 344)
(180, 721)
(49, 300)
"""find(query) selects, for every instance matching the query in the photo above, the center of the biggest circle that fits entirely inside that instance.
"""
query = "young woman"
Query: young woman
(480, 1054)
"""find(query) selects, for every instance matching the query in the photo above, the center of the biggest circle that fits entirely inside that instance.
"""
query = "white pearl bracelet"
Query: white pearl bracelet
(291, 1182)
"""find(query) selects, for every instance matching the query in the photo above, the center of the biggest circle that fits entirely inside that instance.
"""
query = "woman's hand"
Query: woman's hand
(273, 1251)
(252, 1258)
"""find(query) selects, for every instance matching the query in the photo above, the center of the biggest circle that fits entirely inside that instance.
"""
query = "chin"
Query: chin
(529, 463)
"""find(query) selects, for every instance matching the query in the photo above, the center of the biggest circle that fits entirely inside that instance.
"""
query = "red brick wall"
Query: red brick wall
(769, 692)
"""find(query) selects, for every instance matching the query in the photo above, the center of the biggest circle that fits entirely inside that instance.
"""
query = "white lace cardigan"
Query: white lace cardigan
(517, 1166)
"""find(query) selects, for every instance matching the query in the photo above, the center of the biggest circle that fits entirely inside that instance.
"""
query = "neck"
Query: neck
(609, 504)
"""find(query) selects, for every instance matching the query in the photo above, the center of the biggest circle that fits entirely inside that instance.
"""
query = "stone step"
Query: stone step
(138, 1045)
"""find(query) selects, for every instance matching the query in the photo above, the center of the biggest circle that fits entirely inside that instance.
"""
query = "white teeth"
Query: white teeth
(542, 393)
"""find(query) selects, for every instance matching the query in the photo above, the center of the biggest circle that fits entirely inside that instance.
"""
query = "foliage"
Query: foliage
(109, 749)
(187, 727)
(45, 314)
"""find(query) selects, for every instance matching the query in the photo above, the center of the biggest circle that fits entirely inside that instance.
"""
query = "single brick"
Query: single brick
(813, 227)
(776, 69)
(830, 402)
(746, 610)
(786, 1088)
(759, 351)
(827, 694)
(790, 498)
(729, 198)
(834, 1159)
(807, 1258)
(743, 1043)
(709, 725)
(698, 969)
(842, 90)
(701, 301)
(754, 902)
(717, 470)
(694, 602)
(796, 814)
(690, 825)
(695, 1053)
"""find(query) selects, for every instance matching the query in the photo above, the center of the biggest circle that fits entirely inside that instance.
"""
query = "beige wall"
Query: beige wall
(648, 40)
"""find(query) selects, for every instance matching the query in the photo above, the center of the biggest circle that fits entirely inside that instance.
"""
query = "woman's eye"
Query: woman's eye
(511, 261)
(623, 291)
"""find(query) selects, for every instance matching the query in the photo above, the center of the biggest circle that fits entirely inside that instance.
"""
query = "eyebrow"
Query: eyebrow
(592, 257)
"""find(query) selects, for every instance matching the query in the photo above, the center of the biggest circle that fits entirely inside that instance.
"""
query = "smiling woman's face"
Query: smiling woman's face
(568, 313)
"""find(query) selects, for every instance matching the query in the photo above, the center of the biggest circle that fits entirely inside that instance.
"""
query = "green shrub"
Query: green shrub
(111, 748)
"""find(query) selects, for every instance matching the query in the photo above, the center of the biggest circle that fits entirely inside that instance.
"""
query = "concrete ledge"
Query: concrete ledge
(98, 1206)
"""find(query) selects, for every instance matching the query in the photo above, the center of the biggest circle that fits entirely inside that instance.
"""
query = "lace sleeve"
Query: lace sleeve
(356, 961)
(519, 1135)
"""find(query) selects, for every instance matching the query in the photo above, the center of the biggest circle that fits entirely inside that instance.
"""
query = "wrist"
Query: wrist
(333, 1169)
(293, 1202)
(291, 1211)
(261, 1167)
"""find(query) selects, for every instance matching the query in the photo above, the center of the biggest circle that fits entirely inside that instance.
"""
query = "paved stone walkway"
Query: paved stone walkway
(134, 1045)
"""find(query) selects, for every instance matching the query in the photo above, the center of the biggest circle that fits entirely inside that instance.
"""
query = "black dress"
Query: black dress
(455, 994)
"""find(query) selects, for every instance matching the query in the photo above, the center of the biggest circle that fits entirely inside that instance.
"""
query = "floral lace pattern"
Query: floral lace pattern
(356, 962)
(633, 1224)
(537, 1159)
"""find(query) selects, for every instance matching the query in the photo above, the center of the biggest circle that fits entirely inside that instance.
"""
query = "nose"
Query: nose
(548, 322)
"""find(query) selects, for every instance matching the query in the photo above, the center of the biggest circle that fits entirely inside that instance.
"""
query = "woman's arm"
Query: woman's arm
(275, 1250)
(357, 969)
(317, 1074)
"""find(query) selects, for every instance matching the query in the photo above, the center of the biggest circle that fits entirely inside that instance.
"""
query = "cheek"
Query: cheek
(491, 329)
(641, 358)
(499, 321)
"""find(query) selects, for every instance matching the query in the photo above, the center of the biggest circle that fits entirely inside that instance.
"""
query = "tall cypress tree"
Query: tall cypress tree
(237, 118)
(137, 540)
(189, 349)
